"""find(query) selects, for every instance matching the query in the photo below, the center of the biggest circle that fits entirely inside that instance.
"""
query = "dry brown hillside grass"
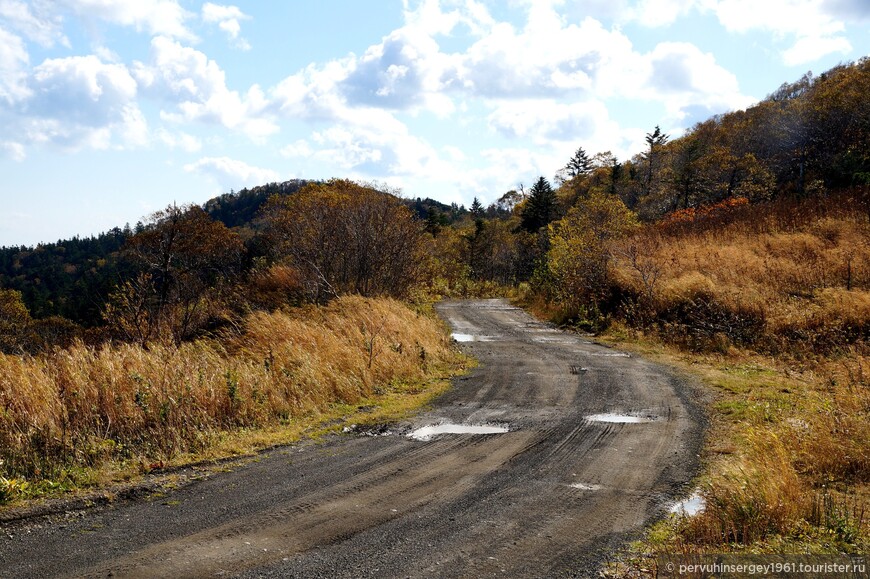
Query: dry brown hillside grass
(85, 406)
(773, 302)
(787, 278)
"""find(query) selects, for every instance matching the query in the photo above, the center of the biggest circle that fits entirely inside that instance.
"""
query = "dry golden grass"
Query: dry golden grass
(786, 462)
(771, 307)
(84, 407)
(792, 278)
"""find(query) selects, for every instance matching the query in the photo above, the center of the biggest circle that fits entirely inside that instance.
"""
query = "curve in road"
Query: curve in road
(596, 444)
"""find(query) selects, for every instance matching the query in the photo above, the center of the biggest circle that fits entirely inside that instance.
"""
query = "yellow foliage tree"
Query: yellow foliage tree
(580, 249)
(14, 322)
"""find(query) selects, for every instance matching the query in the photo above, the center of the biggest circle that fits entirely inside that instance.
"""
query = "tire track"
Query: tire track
(454, 506)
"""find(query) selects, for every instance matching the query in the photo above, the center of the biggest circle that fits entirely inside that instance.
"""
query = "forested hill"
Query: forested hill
(72, 278)
(236, 209)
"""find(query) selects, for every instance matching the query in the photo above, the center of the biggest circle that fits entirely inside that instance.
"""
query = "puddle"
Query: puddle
(620, 418)
(472, 338)
(610, 354)
(690, 506)
(553, 339)
(427, 432)
(586, 487)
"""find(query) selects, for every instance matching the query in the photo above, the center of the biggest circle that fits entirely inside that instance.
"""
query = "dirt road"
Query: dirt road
(597, 443)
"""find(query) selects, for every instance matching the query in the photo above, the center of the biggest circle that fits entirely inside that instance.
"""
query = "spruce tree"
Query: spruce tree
(541, 206)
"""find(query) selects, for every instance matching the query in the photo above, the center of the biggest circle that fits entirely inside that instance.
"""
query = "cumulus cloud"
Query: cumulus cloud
(34, 20)
(299, 148)
(815, 25)
(441, 17)
(548, 121)
(196, 86)
(12, 150)
(82, 89)
(654, 13)
(810, 48)
(399, 73)
(852, 10)
(377, 145)
(503, 169)
(690, 83)
(545, 82)
(179, 140)
(546, 58)
(13, 68)
(231, 173)
(80, 102)
(156, 17)
(227, 19)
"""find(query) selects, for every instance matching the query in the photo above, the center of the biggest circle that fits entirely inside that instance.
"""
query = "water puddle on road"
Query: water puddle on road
(620, 418)
(427, 432)
(690, 506)
(586, 487)
(472, 338)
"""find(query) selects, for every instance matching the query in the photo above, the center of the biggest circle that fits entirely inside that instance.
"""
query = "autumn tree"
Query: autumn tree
(345, 237)
(14, 322)
(186, 260)
(580, 250)
(655, 141)
(505, 204)
(496, 252)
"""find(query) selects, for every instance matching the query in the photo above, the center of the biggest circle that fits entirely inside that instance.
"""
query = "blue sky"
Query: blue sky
(111, 109)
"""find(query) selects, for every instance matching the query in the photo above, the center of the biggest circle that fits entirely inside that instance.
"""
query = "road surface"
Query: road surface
(596, 443)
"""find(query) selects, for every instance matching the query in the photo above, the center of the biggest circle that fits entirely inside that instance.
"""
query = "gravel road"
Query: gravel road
(596, 444)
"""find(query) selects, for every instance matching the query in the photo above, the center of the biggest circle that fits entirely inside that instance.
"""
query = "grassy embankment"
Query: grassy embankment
(84, 417)
(770, 306)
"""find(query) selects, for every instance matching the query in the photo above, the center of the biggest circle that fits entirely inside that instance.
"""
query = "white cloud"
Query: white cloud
(81, 89)
(196, 85)
(813, 24)
(377, 145)
(179, 140)
(13, 150)
(299, 148)
(504, 169)
(403, 72)
(34, 20)
(655, 13)
(227, 18)
(232, 173)
(810, 48)
(546, 58)
(546, 121)
(13, 64)
(156, 17)
(81, 102)
(430, 19)
(690, 83)
(545, 83)
(850, 10)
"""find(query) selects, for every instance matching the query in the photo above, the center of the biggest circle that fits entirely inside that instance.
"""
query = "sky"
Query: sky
(113, 109)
